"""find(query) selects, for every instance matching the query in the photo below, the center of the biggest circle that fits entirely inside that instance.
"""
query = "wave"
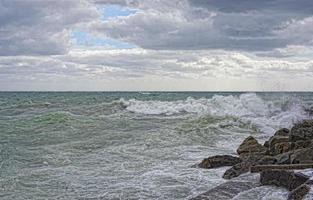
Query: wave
(266, 115)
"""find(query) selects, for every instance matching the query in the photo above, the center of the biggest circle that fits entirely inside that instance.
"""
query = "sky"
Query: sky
(156, 45)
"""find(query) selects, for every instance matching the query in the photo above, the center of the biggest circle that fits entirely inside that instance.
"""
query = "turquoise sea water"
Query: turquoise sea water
(131, 145)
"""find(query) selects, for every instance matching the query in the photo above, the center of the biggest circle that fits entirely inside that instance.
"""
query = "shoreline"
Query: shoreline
(278, 161)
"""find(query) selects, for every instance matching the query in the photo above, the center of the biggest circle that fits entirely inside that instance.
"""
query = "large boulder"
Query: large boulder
(219, 161)
(302, 131)
(283, 178)
(250, 146)
(301, 156)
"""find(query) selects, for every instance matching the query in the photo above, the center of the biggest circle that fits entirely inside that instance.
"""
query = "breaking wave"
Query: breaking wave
(267, 115)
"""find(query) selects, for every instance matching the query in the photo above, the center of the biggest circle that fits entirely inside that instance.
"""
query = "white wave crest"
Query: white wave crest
(250, 108)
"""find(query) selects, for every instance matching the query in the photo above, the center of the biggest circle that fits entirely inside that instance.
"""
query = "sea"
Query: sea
(133, 145)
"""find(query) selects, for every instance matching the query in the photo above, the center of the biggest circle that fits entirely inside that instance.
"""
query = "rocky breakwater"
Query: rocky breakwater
(276, 159)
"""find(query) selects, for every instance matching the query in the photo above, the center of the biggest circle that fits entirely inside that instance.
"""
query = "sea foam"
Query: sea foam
(267, 115)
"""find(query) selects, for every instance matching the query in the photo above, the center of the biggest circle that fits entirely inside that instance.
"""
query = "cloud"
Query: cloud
(35, 27)
(185, 41)
(197, 24)
(132, 63)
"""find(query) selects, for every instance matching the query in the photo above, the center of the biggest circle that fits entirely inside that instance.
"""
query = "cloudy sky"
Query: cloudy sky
(156, 45)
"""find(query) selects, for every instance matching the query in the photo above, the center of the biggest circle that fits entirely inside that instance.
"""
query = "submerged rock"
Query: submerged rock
(219, 161)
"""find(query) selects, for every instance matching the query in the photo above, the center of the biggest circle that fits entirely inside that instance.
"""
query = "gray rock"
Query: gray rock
(302, 156)
(283, 178)
(267, 160)
(237, 170)
(284, 158)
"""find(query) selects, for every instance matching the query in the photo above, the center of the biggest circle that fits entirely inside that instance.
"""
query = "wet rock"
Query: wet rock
(300, 144)
(227, 190)
(250, 146)
(300, 192)
(279, 136)
(237, 170)
(302, 156)
(282, 132)
(267, 160)
(282, 147)
(302, 131)
(283, 178)
(219, 161)
(284, 158)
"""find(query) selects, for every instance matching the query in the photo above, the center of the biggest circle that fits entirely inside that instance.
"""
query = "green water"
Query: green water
(130, 145)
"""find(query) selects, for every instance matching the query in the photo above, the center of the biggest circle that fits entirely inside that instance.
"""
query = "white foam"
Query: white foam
(248, 107)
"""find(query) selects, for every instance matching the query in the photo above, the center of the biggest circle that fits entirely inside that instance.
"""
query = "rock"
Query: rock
(237, 170)
(266, 160)
(302, 131)
(219, 161)
(250, 146)
(284, 158)
(278, 144)
(282, 147)
(301, 144)
(282, 132)
(300, 192)
(227, 191)
(283, 178)
(244, 167)
(302, 156)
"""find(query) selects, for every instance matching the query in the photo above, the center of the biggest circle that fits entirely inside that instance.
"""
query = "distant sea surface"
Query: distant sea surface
(131, 145)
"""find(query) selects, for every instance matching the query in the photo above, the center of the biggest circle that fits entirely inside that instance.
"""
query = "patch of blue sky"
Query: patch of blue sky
(112, 11)
(84, 39)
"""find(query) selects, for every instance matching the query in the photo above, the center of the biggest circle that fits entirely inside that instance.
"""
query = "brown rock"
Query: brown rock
(219, 161)
(250, 146)
(280, 148)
